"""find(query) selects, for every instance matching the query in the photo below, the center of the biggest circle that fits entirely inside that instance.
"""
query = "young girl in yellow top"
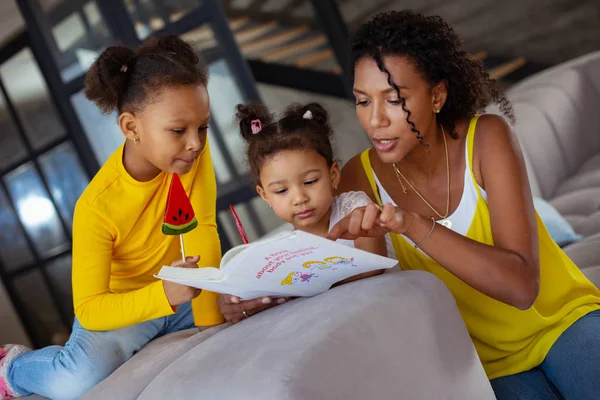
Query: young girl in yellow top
(159, 92)
(296, 174)
(463, 208)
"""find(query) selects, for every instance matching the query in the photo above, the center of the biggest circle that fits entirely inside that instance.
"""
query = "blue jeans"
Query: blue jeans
(88, 357)
(571, 369)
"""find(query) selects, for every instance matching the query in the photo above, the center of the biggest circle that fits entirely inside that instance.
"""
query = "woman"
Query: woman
(458, 204)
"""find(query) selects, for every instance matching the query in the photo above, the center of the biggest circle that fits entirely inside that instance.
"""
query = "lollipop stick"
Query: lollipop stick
(182, 250)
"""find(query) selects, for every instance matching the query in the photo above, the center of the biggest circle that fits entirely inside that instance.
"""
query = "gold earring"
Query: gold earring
(136, 140)
(437, 111)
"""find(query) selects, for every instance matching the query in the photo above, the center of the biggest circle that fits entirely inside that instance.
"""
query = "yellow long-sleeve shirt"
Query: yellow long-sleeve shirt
(118, 245)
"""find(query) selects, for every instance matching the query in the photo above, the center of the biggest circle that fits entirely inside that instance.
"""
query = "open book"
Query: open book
(290, 264)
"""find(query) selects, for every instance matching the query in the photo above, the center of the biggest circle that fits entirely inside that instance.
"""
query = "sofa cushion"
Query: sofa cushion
(593, 274)
(394, 336)
(587, 63)
(585, 225)
(583, 202)
(586, 252)
(558, 227)
(128, 381)
(589, 66)
(558, 124)
(581, 180)
(569, 107)
(592, 164)
(546, 164)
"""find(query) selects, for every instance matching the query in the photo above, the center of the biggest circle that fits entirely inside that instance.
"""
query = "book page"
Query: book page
(292, 264)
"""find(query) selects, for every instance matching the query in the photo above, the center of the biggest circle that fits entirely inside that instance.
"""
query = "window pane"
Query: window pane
(40, 311)
(11, 145)
(77, 37)
(59, 274)
(152, 15)
(14, 249)
(36, 211)
(222, 172)
(102, 131)
(29, 94)
(224, 96)
(227, 224)
(49, 5)
(66, 179)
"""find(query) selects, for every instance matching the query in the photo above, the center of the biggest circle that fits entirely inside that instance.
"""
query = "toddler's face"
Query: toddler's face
(298, 184)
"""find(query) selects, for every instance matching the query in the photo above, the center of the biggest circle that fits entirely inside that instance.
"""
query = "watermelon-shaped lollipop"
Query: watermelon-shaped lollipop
(179, 215)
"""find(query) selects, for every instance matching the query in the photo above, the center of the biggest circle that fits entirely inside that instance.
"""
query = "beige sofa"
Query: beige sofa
(396, 336)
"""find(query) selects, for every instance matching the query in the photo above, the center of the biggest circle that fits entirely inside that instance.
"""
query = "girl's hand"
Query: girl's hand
(180, 294)
(371, 221)
(234, 310)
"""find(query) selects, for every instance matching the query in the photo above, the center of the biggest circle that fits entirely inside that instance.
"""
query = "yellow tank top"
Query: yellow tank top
(507, 340)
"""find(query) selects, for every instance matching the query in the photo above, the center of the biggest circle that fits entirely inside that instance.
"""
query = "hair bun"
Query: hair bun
(318, 113)
(312, 113)
(106, 80)
(170, 47)
(247, 116)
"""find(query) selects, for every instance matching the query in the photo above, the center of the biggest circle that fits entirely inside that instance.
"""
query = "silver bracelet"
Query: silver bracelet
(418, 246)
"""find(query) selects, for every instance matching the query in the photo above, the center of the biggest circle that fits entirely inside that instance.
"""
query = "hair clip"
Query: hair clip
(308, 115)
(124, 68)
(255, 126)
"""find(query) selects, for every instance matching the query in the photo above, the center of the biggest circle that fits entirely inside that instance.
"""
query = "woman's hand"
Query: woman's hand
(180, 294)
(234, 310)
(371, 221)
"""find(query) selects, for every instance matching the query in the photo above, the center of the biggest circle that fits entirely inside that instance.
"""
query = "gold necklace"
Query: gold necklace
(444, 218)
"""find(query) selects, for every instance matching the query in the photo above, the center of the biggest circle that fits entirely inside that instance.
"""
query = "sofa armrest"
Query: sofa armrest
(398, 335)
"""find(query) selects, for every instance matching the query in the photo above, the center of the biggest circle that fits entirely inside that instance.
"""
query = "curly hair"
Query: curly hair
(301, 127)
(437, 52)
(124, 79)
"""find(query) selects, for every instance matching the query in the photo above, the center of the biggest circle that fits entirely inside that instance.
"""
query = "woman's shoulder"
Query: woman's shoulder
(495, 144)
(492, 125)
(492, 133)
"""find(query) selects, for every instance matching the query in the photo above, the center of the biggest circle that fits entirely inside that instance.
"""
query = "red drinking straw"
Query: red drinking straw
(239, 226)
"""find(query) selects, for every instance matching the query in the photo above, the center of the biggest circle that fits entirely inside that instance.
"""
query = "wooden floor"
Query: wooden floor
(543, 31)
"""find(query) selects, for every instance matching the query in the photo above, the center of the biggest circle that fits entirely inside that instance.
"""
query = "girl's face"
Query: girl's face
(380, 112)
(298, 185)
(171, 130)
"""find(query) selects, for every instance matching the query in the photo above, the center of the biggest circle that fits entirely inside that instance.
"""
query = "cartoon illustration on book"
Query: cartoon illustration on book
(312, 265)
(294, 277)
(340, 261)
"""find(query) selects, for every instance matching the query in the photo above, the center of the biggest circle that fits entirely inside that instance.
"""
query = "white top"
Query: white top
(461, 217)
(343, 205)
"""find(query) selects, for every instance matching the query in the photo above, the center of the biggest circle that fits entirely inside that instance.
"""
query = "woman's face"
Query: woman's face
(379, 109)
